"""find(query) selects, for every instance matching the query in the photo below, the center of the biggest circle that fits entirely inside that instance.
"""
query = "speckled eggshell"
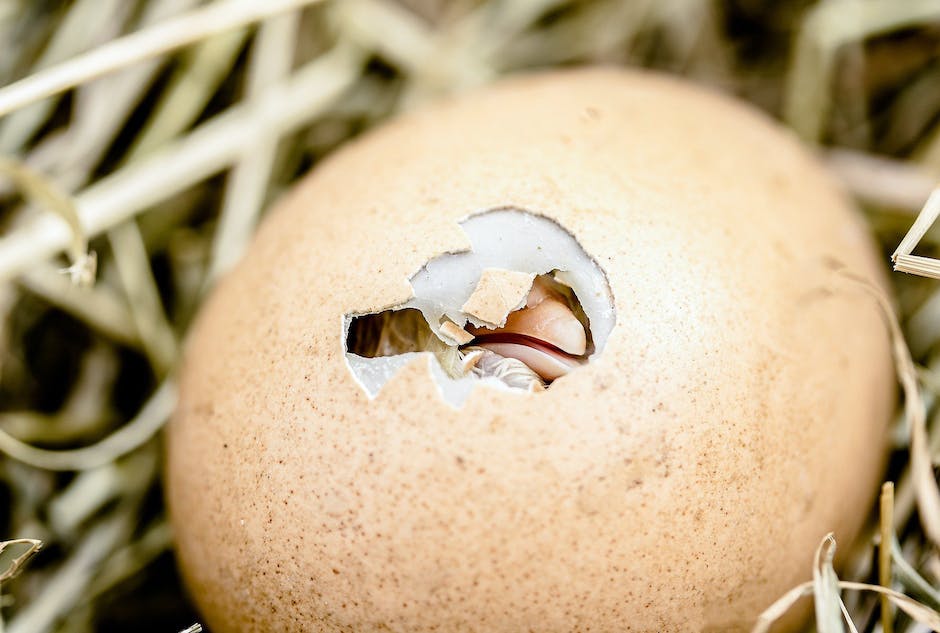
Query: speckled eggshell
(679, 482)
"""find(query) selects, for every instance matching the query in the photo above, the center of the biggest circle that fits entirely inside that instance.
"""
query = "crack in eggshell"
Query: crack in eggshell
(506, 240)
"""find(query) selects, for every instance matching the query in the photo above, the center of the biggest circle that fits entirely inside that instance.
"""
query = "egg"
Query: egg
(572, 353)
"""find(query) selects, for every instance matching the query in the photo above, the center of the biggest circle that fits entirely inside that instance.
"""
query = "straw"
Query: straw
(155, 133)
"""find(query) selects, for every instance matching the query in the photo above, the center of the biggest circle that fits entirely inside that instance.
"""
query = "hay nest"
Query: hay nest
(140, 141)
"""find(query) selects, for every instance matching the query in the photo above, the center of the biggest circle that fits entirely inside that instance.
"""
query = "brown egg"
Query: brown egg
(355, 451)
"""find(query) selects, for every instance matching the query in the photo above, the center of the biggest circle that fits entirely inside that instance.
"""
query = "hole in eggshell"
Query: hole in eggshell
(388, 333)
(523, 307)
(541, 340)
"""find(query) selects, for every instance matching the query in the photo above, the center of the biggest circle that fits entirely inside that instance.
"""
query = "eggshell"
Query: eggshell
(680, 481)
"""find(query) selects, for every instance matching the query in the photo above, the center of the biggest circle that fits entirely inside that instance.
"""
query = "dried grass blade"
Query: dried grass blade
(915, 412)
(39, 191)
(88, 23)
(827, 27)
(880, 180)
(144, 44)
(922, 224)
(919, 612)
(923, 328)
(100, 307)
(886, 517)
(917, 265)
(582, 35)
(146, 307)
(911, 580)
(245, 191)
(64, 589)
(190, 88)
(204, 151)
(144, 426)
(91, 490)
(18, 562)
(847, 617)
(777, 610)
(826, 588)
(132, 558)
(101, 109)
(388, 28)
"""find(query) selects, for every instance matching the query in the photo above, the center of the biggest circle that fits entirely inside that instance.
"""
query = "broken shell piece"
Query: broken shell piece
(498, 293)
(455, 333)
(471, 357)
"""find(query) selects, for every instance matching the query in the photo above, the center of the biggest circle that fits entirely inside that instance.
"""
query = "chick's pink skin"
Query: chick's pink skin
(544, 334)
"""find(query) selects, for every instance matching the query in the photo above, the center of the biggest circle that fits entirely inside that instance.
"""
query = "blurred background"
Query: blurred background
(170, 161)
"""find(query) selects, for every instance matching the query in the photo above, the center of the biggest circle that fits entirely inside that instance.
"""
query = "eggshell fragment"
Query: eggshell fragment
(455, 333)
(680, 480)
(497, 293)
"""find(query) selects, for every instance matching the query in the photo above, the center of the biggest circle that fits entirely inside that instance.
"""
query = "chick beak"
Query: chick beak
(545, 334)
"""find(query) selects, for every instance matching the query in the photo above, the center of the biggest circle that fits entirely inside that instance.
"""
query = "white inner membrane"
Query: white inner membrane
(503, 239)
